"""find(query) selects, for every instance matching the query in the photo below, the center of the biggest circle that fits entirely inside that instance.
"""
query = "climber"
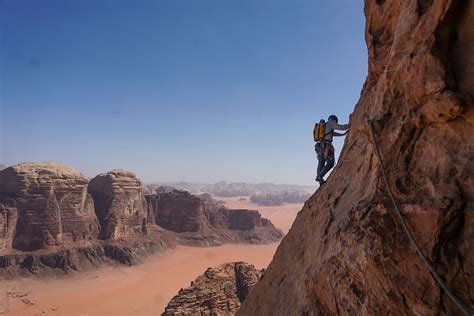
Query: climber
(323, 133)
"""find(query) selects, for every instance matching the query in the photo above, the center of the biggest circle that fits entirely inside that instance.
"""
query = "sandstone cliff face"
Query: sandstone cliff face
(8, 219)
(50, 216)
(201, 220)
(219, 291)
(246, 220)
(346, 252)
(44, 205)
(178, 211)
(119, 203)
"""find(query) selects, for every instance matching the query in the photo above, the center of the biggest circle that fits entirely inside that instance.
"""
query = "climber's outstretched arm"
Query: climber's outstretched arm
(340, 134)
(341, 127)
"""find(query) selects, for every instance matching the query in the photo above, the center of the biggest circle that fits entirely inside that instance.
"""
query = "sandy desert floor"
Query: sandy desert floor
(139, 290)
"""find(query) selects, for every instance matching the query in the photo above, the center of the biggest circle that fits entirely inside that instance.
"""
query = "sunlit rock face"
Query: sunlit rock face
(119, 203)
(178, 211)
(347, 252)
(202, 220)
(44, 204)
(218, 291)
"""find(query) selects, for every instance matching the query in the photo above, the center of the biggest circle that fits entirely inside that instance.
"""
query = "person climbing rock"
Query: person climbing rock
(323, 134)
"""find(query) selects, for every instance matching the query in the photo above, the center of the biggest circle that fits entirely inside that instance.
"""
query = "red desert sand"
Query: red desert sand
(139, 290)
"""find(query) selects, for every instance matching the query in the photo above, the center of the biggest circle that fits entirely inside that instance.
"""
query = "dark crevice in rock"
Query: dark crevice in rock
(423, 6)
(454, 44)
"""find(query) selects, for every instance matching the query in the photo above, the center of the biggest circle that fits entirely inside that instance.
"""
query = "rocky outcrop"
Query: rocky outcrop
(274, 199)
(53, 218)
(234, 189)
(219, 291)
(119, 204)
(201, 220)
(79, 258)
(246, 220)
(8, 219)
(44, 204)
(164, 189)
(346, 252)
(178, 211)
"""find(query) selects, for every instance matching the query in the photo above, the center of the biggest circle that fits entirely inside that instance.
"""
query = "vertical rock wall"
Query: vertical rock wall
(346, 252)
(119, 203)
(178, 211)
(45, 205)
(8, 219)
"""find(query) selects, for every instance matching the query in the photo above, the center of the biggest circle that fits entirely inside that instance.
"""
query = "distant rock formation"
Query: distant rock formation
(179, 211)
(219, 291)
(2, 167)
(347, 252)
(209, 220)
(165, 189)
(275, 199)
(53, 218)
(119, 203)
(234, 189)
(45, 205)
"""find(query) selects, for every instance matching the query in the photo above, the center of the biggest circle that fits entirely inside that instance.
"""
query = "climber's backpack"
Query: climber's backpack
(319, 131)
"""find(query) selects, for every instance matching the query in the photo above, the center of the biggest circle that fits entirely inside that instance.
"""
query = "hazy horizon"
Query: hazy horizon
(174, 91)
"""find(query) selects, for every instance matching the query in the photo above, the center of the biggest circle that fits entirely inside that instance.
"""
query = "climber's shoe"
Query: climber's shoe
(320, 180)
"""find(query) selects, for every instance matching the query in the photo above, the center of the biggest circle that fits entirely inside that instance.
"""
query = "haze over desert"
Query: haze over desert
(144, 289)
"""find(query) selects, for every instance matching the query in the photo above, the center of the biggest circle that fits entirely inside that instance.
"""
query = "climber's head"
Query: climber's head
(333, 118)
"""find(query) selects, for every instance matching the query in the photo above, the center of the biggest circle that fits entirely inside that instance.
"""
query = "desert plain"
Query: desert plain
(144, 289)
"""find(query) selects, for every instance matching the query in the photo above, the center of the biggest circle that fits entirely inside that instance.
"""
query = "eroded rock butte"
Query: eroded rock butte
(53, 218)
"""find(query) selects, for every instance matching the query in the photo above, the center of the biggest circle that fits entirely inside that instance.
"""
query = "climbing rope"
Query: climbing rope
(435, 274)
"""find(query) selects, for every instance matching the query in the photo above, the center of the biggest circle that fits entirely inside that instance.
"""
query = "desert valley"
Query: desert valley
(40, 279)
(209, 90)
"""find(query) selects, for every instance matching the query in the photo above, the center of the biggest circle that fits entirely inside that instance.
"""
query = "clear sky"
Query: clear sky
(198, 91)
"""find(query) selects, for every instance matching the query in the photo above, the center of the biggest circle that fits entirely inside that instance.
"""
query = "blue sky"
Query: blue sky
(198, 91)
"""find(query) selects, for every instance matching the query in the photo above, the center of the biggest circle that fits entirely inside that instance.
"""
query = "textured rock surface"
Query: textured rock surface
(50, 216)
(201, 220)
(119, 203)
(74, 258)
(246, 220)
(179, 211)
(219, 291)
(44, 204)
(8, 219)
(346, 253)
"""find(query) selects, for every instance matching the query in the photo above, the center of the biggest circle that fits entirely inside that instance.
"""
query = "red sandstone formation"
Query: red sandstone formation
(8, 219)
(347, 253)
(119, 203)
(50, 216)
(219, 291)
(201, 220)
(179, 211)
(44, 205)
